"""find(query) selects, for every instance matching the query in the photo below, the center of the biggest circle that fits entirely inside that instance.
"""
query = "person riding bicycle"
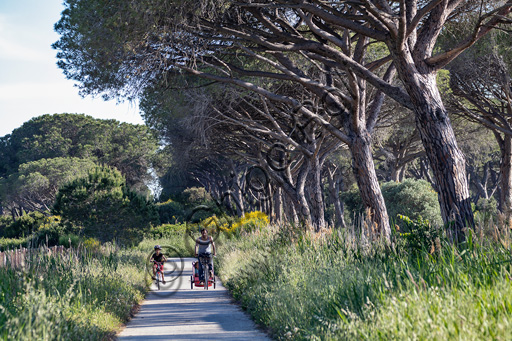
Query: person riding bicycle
(158, 258)
(204, 247)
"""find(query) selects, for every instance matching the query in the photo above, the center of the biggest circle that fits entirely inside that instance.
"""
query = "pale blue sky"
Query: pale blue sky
(30, 82)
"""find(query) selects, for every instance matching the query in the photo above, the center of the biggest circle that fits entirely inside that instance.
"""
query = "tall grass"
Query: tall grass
(85, 296)
(308, 287)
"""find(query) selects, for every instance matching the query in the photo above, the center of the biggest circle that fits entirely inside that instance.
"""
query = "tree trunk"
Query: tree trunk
(335, 184)
(278, 205)
(366, 177)
(304, 211)
(445, 157)
(506, 179)
(317, 198)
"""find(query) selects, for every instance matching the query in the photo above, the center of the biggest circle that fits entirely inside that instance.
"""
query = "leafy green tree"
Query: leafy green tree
(130, 148)
(102, 206)
(35, 185)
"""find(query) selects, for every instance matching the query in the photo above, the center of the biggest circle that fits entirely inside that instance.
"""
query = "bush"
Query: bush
(196, 196)
(250, 222)
(69, 240)
(165, 230)
(171, 212)
(419, 235)
(24, 225)
(5, 222)
(486, 210)
(105, 207)
(411, 198)
(12, 243)
(48, 232)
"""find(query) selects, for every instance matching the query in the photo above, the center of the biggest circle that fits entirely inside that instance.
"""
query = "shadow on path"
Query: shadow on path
(180, 313)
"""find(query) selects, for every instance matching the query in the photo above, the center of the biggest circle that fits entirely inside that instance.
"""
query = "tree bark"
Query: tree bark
(278, 206)
(366, 177)
(335, 183)
(446, 159)
(317, 200)
(506, 179)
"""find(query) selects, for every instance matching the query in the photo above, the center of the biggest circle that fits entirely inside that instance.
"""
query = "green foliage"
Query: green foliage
(24, 225)
(102, 206)
(71, 298)
(13, 243)
(129, 148)
(69, 240)
(335, 288)
(165, 230)
(49, 232)
(35, 184)
(412, 198)
(486, 210)
(419, 235)
(193, 196)
(171, 212)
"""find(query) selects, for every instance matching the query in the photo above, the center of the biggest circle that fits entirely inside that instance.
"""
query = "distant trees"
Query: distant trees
(482, 93)
(101, 205)
(51, 150)
(129, 148)
(34, 186)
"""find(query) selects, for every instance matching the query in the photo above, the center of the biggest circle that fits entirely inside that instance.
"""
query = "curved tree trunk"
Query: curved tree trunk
(364, 171)
(445, 157)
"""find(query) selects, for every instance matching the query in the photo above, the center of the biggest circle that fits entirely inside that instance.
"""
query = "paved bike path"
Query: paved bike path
(178, 313)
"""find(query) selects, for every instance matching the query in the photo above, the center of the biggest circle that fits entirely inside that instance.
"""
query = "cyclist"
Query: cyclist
(158, 258)
(204, 247)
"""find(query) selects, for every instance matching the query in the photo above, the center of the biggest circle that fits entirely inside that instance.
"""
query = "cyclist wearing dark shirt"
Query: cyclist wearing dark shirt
(158, 258)
(204, 247)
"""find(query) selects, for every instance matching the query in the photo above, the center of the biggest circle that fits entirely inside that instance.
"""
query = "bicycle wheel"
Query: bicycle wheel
(191, 282)
(206, 277)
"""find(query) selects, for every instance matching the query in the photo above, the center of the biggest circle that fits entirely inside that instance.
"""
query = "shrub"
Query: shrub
(196, 196)
(24, 225)
(48, 232)
(419, 235)
(411, 198)
(165, 230)
(69, 240)
(105, 207)
(250, 222)
(171, 212)
(486, 210)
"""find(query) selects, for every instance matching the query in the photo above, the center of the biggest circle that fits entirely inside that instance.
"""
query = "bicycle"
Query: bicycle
(204, 259)
(158, 272)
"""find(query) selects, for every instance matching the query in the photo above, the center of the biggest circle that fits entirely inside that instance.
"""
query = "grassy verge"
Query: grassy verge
(84, 296)
(308, 288)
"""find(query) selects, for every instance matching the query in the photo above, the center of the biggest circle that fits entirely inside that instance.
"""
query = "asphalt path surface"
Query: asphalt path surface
(176, 312)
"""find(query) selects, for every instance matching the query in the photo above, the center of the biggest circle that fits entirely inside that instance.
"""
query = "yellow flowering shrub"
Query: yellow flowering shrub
(92, 244)
(249, 222)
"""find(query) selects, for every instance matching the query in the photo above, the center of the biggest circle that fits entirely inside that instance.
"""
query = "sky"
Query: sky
(31, 84)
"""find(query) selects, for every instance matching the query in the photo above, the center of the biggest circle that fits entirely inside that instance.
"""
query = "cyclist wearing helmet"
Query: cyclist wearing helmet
(158, 258)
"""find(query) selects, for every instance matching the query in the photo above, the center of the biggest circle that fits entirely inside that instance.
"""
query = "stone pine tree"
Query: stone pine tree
(118, 49)
(100, 205)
